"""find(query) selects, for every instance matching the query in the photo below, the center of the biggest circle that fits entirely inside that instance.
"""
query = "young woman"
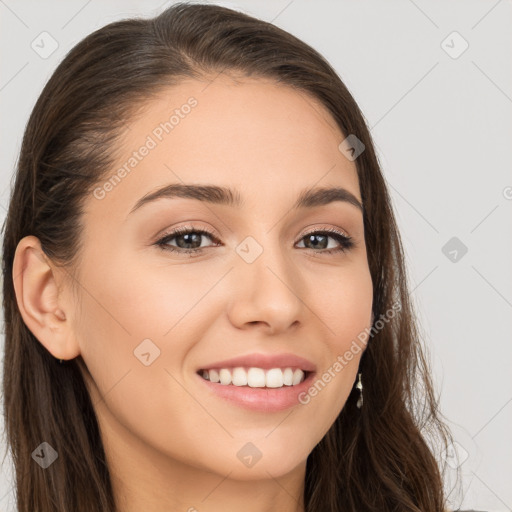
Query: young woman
(206, 307)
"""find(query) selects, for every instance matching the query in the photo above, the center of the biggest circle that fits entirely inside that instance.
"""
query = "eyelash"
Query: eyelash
(346, 242)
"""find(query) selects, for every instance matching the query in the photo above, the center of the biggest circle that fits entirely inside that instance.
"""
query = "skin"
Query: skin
(170, 443)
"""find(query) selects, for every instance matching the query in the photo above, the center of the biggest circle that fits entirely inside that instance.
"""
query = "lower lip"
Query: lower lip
(261, 399)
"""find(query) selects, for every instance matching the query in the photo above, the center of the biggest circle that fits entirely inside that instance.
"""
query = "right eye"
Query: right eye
(190, 235)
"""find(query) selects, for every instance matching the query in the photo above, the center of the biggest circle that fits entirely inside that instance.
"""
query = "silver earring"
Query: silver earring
(359, 386)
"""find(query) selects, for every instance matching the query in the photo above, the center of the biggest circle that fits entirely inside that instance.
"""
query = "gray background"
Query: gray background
(442, 128)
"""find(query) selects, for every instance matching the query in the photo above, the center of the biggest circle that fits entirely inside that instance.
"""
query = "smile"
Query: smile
(255, 377)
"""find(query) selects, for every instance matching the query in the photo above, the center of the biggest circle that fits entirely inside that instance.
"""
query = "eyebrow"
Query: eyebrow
(308, 198)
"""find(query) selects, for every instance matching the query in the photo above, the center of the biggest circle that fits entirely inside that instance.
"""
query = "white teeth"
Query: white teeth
(214, 375)
(298, 376)
(225, 376)
(239, 377)
(255, 377)
(274, 378)
(288, 377)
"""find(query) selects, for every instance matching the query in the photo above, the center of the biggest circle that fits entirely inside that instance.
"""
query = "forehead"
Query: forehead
(260, 137)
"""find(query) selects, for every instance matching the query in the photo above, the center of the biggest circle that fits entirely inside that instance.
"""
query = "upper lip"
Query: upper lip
(266, 361)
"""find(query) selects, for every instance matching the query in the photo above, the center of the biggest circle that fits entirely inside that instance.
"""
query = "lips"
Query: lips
(258, 399)
(264, 361)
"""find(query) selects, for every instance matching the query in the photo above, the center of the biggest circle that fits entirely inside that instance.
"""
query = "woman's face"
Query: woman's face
(151, 317)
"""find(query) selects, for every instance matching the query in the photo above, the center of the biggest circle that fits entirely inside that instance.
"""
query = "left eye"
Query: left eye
(186, 237)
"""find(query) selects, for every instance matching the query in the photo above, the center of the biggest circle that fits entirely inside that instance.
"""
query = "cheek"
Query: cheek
(135, 303)
(344, 309)
(123, 310)
(137, 322)
(344, 304)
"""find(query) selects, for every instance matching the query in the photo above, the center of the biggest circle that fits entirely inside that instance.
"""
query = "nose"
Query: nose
(267, 293)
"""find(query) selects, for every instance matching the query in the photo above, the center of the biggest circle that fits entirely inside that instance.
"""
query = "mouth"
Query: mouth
(254, 377)
(257, 389)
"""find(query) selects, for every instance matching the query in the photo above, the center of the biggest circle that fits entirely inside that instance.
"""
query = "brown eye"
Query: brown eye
(320, 240)
(185, 237)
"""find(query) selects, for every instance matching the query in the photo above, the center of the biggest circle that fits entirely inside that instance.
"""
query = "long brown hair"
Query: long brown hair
(377, 458)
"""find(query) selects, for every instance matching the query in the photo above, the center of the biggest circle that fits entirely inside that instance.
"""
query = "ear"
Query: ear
(43, 310)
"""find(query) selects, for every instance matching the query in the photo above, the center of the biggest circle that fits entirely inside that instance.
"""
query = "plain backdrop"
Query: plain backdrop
(434, 82)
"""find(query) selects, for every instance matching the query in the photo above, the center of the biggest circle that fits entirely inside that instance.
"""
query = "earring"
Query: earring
(359, 386)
